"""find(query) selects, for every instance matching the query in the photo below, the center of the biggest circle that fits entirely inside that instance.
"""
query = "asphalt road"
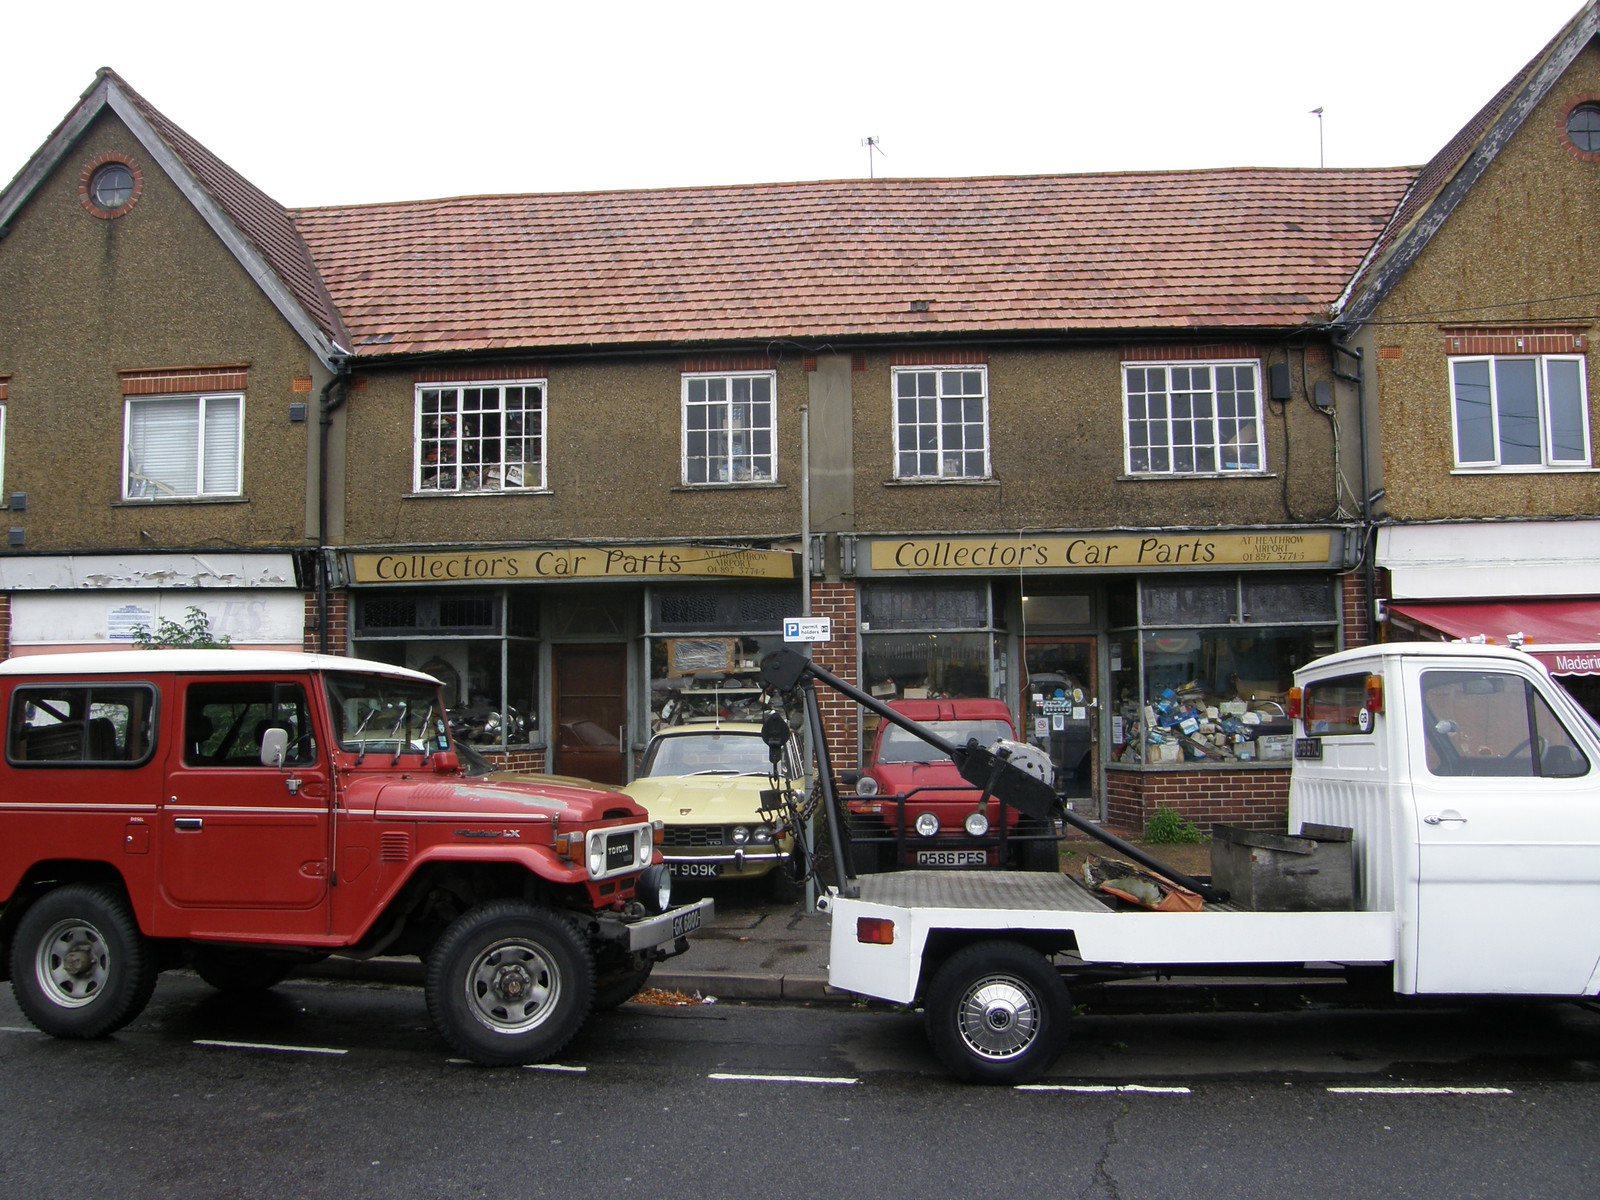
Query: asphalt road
(328, 1089)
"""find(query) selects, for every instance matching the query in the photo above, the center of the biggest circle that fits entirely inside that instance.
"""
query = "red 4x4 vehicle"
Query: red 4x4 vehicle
(247, 812)
(913, 809)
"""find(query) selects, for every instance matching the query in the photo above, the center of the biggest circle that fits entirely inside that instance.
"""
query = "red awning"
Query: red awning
(1562, 634)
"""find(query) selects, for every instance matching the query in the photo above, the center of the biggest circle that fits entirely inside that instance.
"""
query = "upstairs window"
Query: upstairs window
(1528, 411)
(480, 437)
(182, 447)
(730, 426)
(1199, 418)
(941, 422)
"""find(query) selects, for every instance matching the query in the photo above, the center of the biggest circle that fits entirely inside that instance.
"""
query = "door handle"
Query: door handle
(188, 824)
(1437, 820)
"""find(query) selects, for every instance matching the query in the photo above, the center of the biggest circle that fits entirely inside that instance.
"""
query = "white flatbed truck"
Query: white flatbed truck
(1465, 781)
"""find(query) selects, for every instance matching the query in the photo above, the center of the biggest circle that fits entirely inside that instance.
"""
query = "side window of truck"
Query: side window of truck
(1487, 723)
(81, 725)
(223, 723)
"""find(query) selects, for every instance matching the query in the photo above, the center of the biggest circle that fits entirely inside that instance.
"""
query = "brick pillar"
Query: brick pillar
(840, 717)
(5, 624)
(1355, 607)
(338, 623)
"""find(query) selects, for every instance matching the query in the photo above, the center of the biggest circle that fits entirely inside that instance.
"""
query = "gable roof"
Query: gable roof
(1182, 251)
(1446, 179)
(251, 224)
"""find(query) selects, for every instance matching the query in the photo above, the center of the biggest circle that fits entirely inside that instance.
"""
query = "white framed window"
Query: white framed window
(730, 427)
(480, 437)
(183, 446)
(941, 422)
(1520, 411)
(1193, 418)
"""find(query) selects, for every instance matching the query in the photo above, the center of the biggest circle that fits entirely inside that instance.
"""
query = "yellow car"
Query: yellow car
(703, 782)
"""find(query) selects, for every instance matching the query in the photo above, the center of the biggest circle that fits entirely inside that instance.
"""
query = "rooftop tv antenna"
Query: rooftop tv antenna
(873, 146)
(1321, 158)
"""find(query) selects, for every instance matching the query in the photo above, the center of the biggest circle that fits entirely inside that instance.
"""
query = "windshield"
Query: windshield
(898, 746)
(714, 752)
(379, 714)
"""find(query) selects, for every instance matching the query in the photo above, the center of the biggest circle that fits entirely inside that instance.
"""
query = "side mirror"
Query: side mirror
(274, 747)
(445, 762)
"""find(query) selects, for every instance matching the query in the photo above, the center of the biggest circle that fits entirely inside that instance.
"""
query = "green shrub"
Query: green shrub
(1169, 827)
(195, 632)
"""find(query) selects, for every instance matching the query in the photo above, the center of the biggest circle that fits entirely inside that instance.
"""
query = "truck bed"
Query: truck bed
(919, 903)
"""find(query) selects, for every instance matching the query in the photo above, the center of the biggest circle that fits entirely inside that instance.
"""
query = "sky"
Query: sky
(349, 101)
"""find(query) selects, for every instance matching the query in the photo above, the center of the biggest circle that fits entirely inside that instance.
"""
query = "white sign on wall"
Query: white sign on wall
(808, 629)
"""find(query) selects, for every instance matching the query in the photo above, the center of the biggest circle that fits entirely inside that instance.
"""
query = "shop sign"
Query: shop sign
(587, 562)
(1105, 552)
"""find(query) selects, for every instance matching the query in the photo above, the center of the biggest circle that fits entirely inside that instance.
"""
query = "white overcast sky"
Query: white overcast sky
(350, 101)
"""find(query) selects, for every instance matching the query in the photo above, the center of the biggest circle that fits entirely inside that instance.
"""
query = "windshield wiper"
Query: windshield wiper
(361, 752)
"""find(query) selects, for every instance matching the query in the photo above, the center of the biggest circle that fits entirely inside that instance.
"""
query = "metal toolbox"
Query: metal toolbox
(1313, 871)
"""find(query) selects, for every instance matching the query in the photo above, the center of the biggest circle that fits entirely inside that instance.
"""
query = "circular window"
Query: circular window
(110, 186)
(1583, 128)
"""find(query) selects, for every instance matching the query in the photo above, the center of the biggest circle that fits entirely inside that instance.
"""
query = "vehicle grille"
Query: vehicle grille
(693, 836)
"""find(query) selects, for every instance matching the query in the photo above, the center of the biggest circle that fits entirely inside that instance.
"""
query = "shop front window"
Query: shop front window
(1212, 689)
(482, 646)
(706, 646)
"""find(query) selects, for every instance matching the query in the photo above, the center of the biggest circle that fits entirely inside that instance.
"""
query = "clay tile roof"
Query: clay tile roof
(262, 220)
(1193, 250)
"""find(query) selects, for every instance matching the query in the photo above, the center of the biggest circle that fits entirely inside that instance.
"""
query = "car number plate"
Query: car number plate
(685, 922)
(691, 870)
(952, 858)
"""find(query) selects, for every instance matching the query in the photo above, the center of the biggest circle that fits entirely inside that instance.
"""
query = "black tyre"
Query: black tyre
(510, 983)
(80, 968)
(231, 970)
(613, 991)
(1039, 854)
(784, 881)
(997, 1012)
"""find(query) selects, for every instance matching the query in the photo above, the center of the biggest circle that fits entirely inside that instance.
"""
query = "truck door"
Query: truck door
(1508, 834)
(245, 848)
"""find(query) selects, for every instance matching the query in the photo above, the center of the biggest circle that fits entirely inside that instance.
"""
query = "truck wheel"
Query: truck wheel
(617, 990)
(509, 983)
(230, 970)
(80, 968)
(997, 1012)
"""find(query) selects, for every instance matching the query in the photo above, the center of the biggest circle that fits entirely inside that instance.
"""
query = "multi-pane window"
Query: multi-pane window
(1193, 418)
(178, 446)
(941, 421)
(481, 437)
(1525, 411)
(730, 425)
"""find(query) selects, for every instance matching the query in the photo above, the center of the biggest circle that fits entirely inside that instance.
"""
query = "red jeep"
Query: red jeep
(243, 813)
(913, 809)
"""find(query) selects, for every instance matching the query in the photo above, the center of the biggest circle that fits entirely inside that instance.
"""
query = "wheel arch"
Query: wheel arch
(941, 944)
(43, 877)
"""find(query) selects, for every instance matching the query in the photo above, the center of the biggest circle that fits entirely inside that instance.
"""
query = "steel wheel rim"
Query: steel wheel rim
(513, 986)
(998, 1018)
(73, 963)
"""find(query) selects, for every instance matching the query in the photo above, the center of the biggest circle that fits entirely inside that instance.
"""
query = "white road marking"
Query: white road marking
(556, 1068)
(269, 1046)
(1100, 1088)
(834, 1082)
(1420, 1091)
(17, 1029)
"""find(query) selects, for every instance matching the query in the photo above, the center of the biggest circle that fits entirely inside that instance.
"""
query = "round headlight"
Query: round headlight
(927, 824)
(739, 835)
(597, 854)
(647, 845)
(763, 835)
(654, 888)
(976, 824)
(866, 786)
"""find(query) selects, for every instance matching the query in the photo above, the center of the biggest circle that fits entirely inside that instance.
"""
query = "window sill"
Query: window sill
(1531, 469)
(954, 481)
(502, 492)
(1161, 476)
(147, 501)
(734, 485)
(1282, 764)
